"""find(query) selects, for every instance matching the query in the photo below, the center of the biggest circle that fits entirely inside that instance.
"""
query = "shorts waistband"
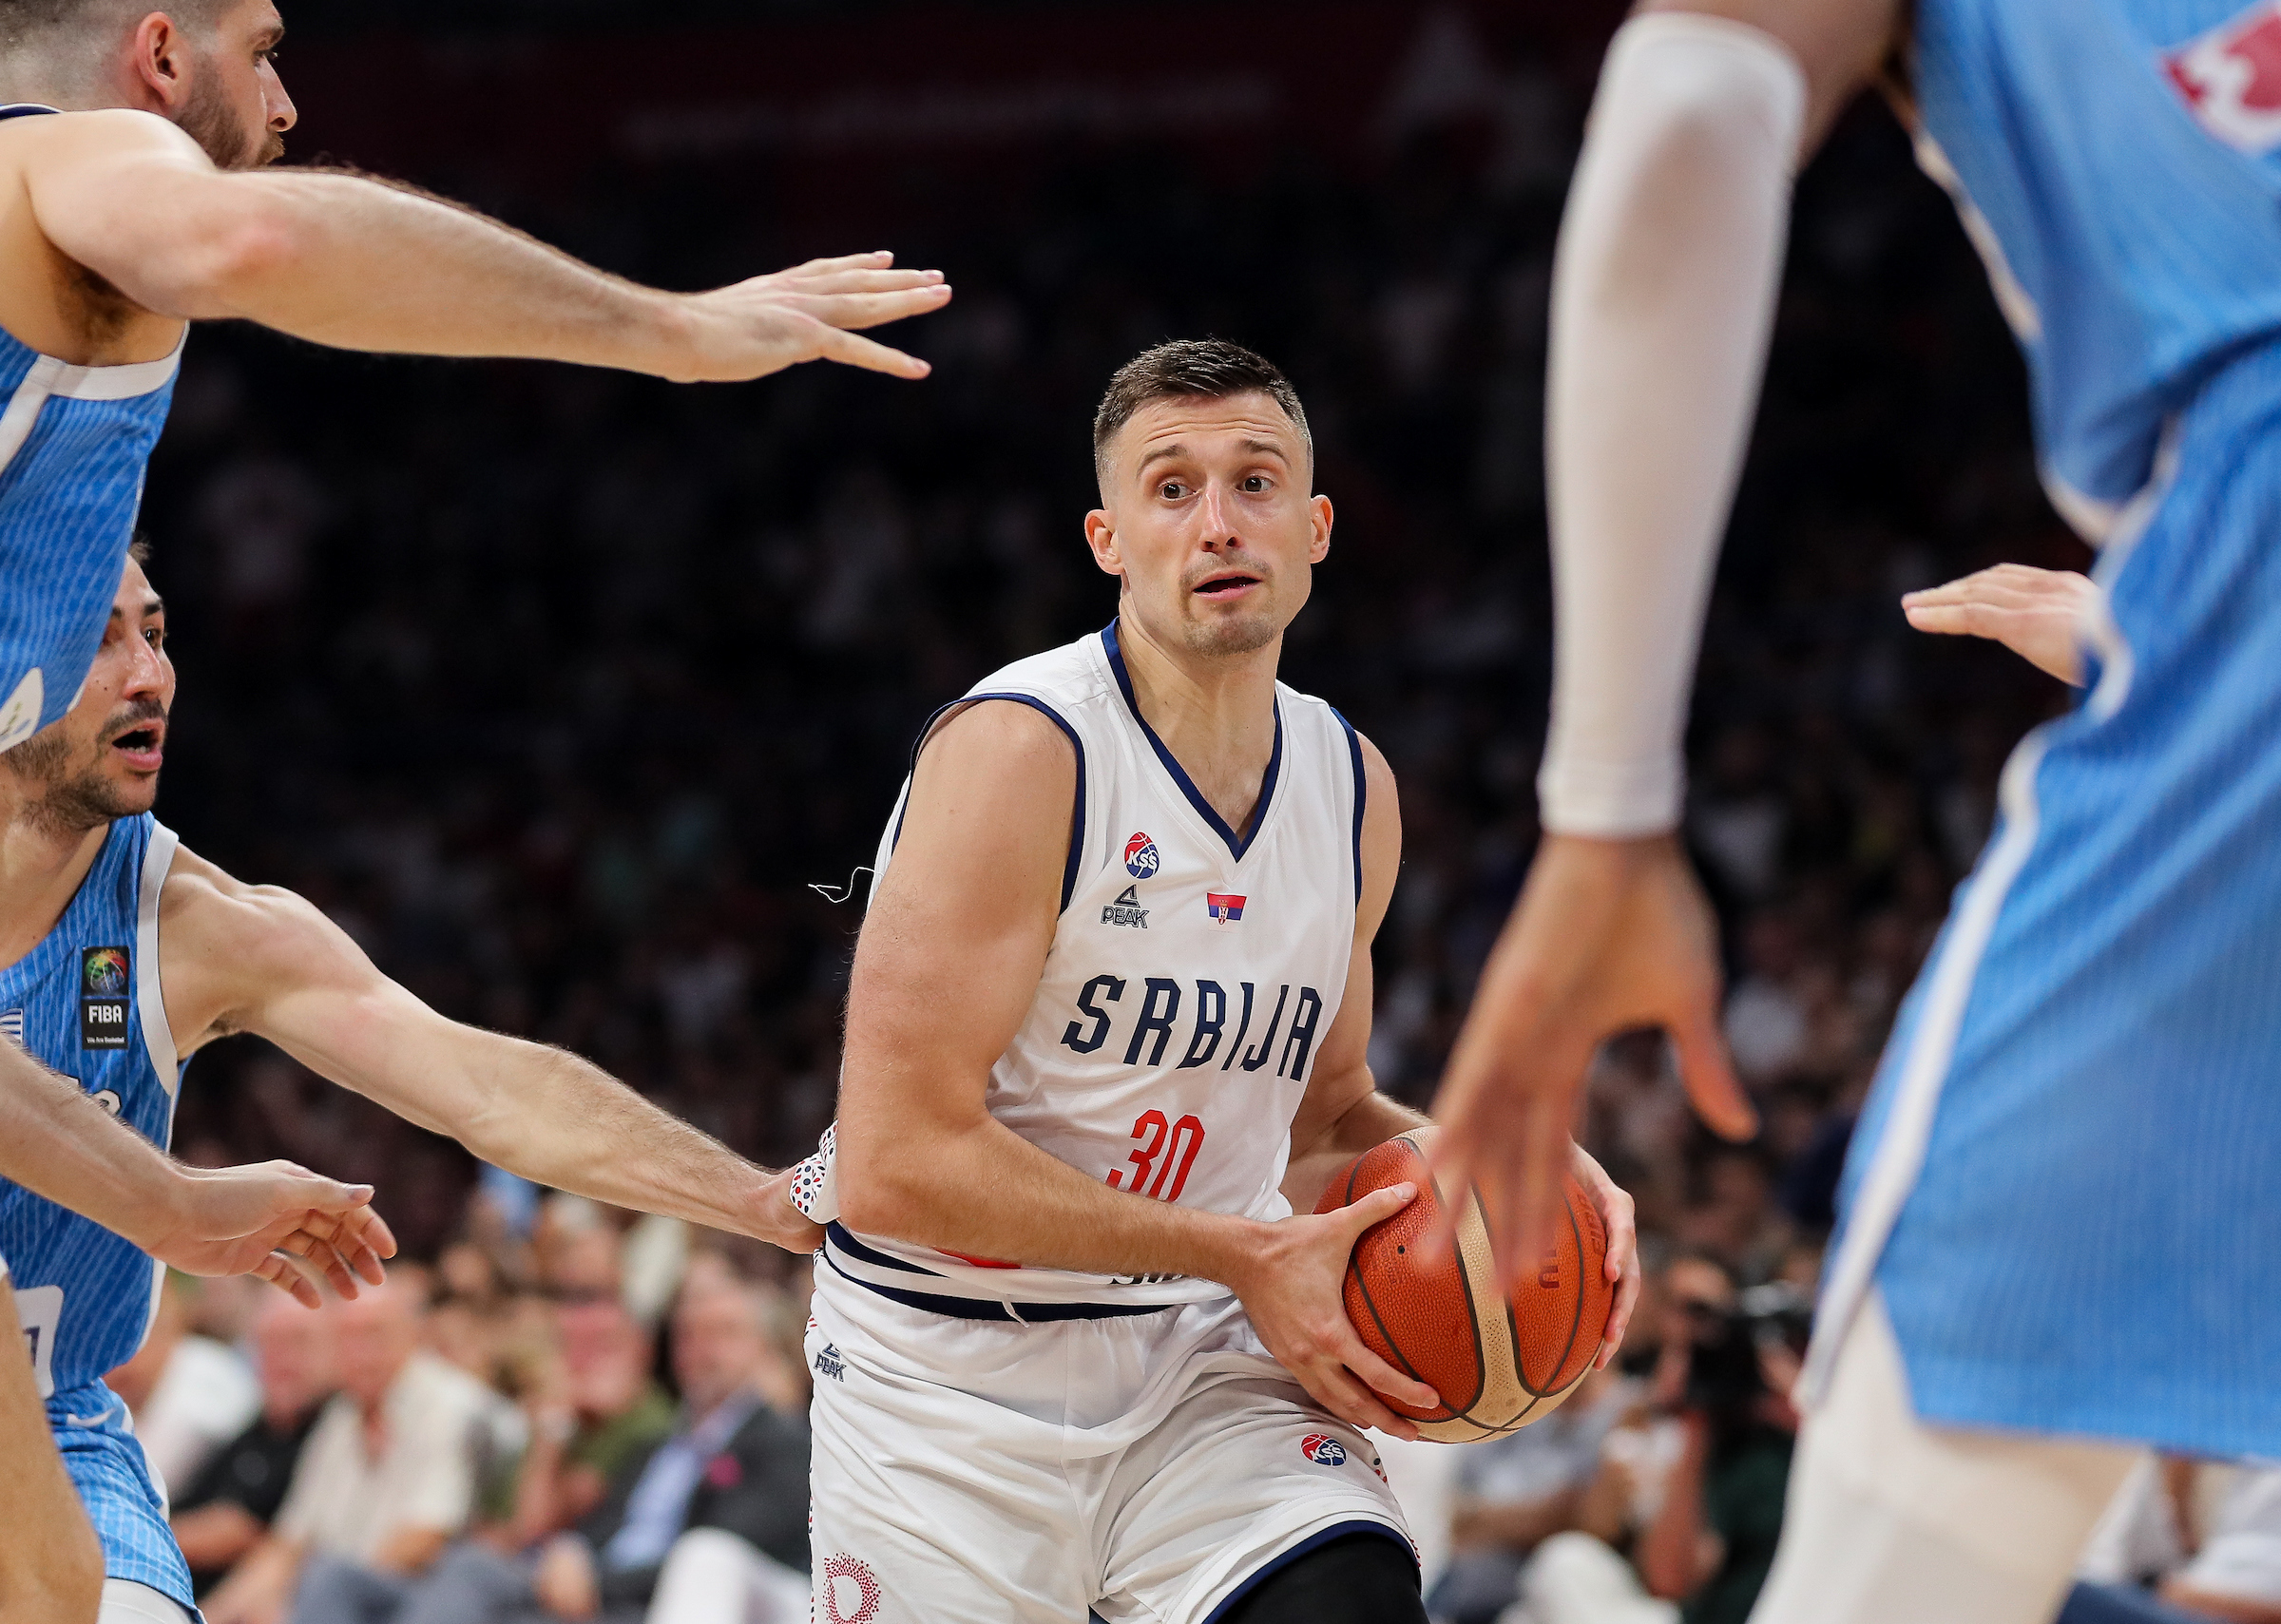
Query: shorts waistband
(838, 1238)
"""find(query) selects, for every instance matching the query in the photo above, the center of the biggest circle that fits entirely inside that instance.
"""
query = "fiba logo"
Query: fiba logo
(845, 1577)
(1141, 859)
(1323, 1449)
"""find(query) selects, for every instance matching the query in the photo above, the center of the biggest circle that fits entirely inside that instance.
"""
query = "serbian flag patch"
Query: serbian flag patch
(1227, 910)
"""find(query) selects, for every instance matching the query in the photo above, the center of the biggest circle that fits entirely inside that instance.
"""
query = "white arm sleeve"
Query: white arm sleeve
(1663, 298)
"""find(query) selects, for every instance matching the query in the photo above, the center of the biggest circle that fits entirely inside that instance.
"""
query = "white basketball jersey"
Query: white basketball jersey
(1193, 977)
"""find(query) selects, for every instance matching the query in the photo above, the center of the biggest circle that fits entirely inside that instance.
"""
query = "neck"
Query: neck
(41, 868)
(1214, 713)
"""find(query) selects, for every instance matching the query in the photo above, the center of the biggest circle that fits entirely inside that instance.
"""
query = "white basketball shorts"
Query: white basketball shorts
(985, 1472)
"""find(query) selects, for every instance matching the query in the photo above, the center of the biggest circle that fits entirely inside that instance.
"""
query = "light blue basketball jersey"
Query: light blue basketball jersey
(85, 1002)
(2119, 166)
(2062, 1183)
(74, 442)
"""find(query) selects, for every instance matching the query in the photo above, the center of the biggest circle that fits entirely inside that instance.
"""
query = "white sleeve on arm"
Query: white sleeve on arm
(1663, 299)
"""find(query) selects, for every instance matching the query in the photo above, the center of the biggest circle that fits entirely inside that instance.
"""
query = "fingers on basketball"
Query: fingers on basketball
(1495, 1360)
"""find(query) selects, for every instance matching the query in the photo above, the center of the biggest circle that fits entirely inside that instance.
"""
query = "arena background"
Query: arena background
(558, 689)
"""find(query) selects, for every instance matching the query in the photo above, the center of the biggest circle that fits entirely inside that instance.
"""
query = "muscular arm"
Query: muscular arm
(51, 1566)
(361, 264)
(946, 970)
(256, 959)
(1343, 1114)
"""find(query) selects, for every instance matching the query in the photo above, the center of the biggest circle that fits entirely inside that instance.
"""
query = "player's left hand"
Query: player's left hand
(809, 313)
(1616, 1211)
(2038, 614)
(1294, 1291)
(275, 1220)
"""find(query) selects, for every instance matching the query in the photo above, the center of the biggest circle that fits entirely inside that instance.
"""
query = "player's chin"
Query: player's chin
(1231, 628)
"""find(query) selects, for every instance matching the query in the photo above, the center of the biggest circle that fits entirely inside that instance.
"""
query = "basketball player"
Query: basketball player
(121, 954)
(2058, 1232)
(1107, 1028)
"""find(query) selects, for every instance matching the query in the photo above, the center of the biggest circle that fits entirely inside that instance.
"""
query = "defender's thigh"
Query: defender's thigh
(1243, 1472)
(1891, 1521)
(922, 1505)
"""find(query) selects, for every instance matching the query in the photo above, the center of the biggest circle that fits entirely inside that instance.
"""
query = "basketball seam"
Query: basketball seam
(1457, 1255)
(1481, 1376)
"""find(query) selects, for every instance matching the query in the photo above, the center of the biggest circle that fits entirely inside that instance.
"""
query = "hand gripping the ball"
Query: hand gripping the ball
(1292, 1291)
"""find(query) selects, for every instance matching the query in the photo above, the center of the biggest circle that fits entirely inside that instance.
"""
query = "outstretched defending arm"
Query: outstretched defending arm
(258, 959)
(364, 264)
(57, 1142)
(1663, 298)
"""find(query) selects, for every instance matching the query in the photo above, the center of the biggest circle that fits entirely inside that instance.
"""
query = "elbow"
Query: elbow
(66, 1587)
(226, 262)
(879, 1193)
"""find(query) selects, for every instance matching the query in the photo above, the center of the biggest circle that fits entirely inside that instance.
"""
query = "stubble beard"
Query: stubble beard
(210, 120)
(1245, 634)
(65, 803)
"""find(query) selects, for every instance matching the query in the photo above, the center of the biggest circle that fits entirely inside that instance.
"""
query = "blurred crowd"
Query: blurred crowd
(579, 699)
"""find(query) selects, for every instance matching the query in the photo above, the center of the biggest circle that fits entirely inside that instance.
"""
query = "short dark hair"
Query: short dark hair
(23, 21)
(1192, 368)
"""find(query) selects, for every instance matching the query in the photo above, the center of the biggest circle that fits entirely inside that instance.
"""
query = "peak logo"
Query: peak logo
(2231, 78)
(1323, 1449)
(1141, 859)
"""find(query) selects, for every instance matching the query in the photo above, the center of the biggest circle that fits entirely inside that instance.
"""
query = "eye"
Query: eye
(1172, 491)
(154, 637)
(1254, 485)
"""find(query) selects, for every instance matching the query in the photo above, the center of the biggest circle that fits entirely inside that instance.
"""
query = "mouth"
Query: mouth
(143, 747)
(1227, 583)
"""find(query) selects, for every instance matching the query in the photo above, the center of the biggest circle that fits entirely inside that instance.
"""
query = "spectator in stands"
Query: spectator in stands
(2155, 1534)
(386, 1480)
(1704, 1554)
(188, 1394)
(708, 1526)
(598, 1411)
(1514, 1493)
(223, 1512)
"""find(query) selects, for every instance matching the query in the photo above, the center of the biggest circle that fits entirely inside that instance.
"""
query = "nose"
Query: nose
(1217, 532)
(283, 115)
(147, 673)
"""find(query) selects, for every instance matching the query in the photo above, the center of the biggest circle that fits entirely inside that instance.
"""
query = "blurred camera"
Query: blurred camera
(1723, 1372)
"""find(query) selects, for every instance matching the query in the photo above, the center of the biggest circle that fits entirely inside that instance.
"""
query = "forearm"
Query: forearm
(363, 264)
(1371, 1120)
(981, 1189)
(1663, 298)
(560, 1121)
(57, 1142)
(410, 1551)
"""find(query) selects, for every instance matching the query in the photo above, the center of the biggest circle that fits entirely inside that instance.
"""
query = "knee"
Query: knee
(1357, 1579)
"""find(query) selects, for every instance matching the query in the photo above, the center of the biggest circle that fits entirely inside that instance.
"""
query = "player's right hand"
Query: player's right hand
(810, 313)
(1294, 1292)
(275, 1220)
(1609, 936)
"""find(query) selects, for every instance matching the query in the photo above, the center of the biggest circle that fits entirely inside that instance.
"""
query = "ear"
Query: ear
(159, 62)
(1320, 516)
(1101, 535)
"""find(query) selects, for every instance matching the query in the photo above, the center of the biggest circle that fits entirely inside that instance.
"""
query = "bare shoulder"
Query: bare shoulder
(73, 137)
(999, 736)
(218, 926)
(1381, 833)
(987, 822)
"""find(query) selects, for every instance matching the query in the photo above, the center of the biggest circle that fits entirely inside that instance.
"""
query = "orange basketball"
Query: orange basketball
(1499, 1363)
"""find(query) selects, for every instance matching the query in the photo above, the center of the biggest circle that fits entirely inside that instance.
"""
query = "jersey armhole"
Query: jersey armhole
(1362, 796)
(1076, 814)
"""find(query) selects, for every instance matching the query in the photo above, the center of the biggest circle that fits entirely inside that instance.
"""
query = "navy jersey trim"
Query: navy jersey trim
(1238, 845)
(1313, 1542)
(1077, 814)
(990, 1307)
(843, 1238)
(26, 109)
(1362, 798)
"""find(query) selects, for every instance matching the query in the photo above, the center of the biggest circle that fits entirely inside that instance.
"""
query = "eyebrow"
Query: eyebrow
(1266, 448)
